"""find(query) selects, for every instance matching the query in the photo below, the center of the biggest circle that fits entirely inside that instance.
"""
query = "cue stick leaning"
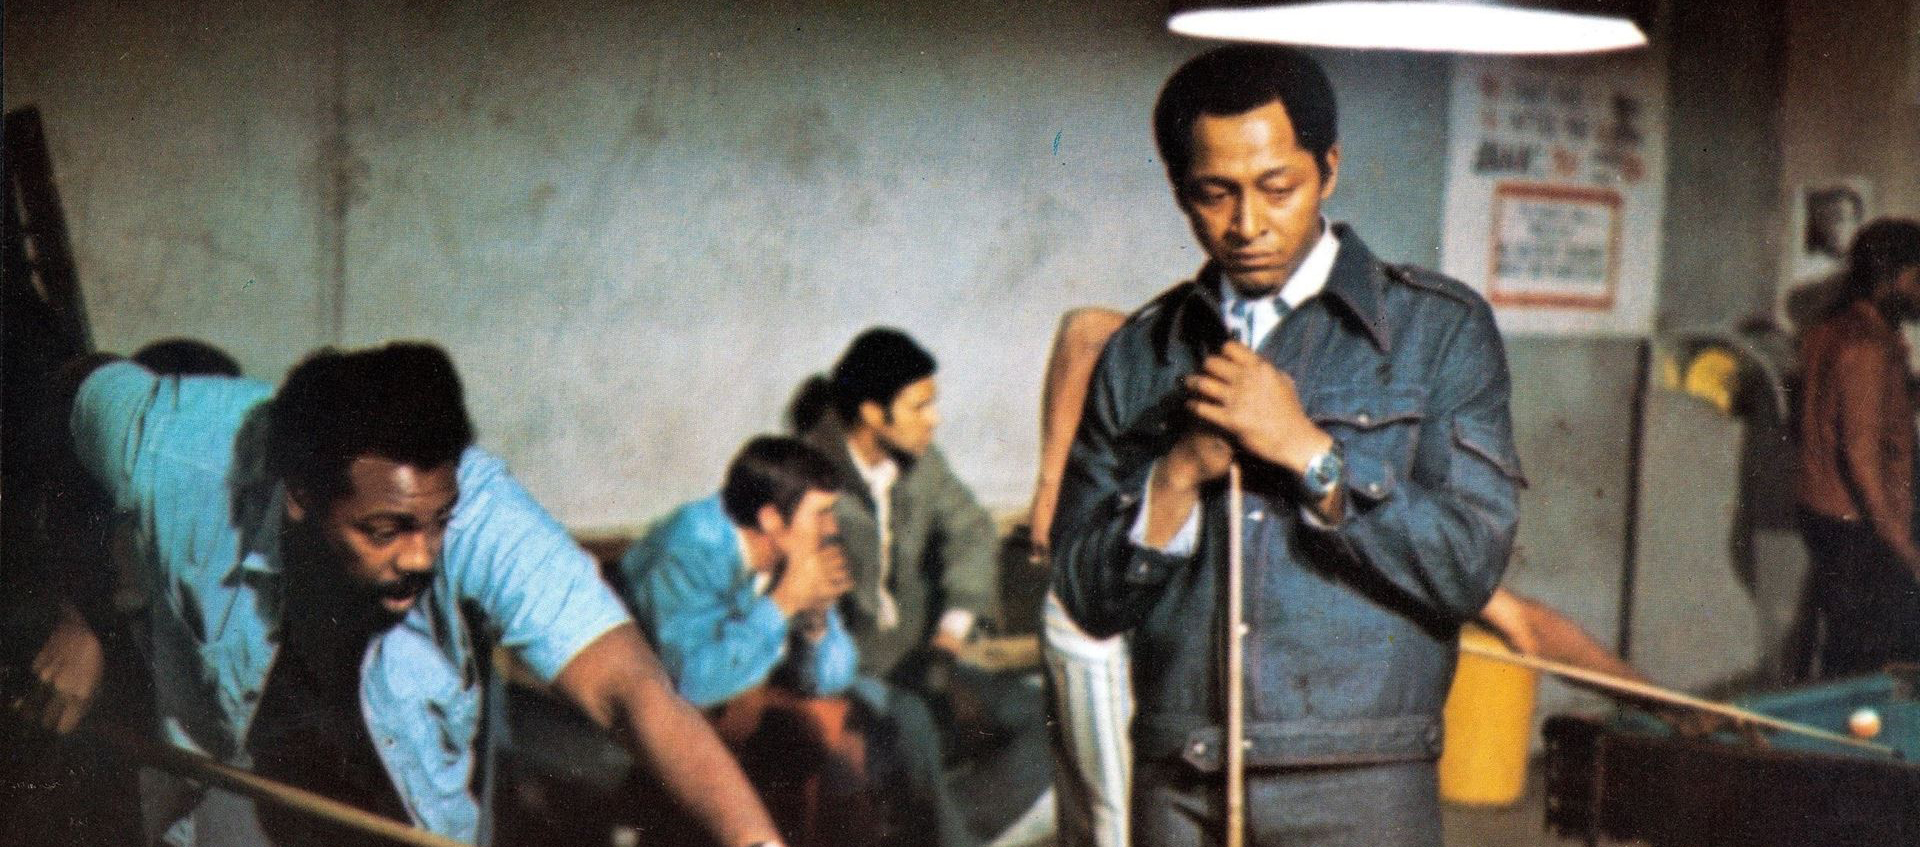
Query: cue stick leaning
(194, 766)
(1666, 695)
(1236, 734)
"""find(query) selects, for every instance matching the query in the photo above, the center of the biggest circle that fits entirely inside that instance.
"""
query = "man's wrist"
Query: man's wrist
(1175, 474)
(1296, 457)
(783, 598)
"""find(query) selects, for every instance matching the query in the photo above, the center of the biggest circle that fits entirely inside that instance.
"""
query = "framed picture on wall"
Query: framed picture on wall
(1825, 215)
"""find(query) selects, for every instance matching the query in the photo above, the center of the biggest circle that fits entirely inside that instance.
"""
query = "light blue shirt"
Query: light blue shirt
(185, 458)
(718, 634)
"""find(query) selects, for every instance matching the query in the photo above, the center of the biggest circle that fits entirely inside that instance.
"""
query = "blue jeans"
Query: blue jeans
(1390, 805)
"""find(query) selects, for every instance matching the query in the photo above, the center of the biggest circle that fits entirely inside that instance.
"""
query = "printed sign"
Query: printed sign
(1555, 188)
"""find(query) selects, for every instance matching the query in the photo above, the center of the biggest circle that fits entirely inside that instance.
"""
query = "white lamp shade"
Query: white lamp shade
(1454, 26)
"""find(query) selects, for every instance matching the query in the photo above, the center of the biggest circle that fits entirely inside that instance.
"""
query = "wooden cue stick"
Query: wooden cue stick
(1236, 735)
(194, 766)
(1669, 696)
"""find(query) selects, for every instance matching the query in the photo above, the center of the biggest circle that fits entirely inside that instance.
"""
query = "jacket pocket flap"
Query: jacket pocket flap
(1368, 407)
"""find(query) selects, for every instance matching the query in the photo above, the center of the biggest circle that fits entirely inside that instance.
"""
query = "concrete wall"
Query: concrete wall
(1851, 105)
(638, 226)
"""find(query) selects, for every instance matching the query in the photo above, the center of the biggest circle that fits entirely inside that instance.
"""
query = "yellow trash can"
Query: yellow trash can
(1489, 722)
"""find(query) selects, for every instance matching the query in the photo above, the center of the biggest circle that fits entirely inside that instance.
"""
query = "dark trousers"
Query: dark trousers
(920, 806)
(991, 730)
(1391, 805)
(1865, 599)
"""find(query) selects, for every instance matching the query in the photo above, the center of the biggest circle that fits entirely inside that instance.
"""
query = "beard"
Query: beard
(322, 592)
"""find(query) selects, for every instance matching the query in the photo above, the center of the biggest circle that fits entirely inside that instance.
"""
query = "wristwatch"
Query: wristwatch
(1323, 474)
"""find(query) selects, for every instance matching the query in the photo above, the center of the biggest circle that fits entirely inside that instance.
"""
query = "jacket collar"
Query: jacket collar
(1357, 284)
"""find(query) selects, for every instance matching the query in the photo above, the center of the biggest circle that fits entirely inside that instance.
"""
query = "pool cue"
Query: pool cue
(1236, 734)
(1665, 695)
(195, 766)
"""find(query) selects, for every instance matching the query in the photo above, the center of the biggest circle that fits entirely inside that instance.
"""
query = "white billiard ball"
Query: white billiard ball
(1864, 723)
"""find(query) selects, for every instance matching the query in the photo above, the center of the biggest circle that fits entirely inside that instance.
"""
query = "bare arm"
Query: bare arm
(1076, 347)
(619, 683)
(1537, 629)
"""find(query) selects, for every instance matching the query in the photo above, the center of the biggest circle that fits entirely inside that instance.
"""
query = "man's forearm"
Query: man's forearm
(696, 768)
(620, 684)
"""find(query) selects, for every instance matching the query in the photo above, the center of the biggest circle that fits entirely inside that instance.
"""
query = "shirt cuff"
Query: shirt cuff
(958, 623)
(1182, 543)
(1313, 520)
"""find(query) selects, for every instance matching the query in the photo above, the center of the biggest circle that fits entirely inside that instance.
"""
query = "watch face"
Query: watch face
(1323, 473)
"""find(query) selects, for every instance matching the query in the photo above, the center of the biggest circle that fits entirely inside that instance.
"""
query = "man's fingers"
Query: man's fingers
(1209, 386)
(62, 715)
(1222, 367)
(1209, 412)
(1237, 350)
(1239, 354)
(33, 704)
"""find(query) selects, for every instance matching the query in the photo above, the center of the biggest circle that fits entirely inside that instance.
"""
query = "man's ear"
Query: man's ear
(769, 520)
(1333, 172)
(296, 505)
(872, 414)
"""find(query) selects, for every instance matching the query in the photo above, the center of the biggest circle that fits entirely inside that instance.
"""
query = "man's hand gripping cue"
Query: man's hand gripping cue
(66, 675)
(1249, 404)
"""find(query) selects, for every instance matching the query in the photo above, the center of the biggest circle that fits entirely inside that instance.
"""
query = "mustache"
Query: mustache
(406, 586)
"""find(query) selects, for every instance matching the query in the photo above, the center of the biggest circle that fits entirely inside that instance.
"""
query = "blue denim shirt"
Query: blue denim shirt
(1350, 645)
(717, 635)
(184, 457)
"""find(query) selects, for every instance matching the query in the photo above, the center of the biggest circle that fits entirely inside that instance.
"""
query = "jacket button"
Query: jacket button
(1373, 488)
(1365, 419)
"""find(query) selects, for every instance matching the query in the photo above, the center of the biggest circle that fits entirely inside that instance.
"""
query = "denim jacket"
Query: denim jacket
(717, 635)
(1352, 626)
(184, 457)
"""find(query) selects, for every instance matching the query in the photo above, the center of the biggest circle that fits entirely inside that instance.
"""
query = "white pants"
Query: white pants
(1093, 707)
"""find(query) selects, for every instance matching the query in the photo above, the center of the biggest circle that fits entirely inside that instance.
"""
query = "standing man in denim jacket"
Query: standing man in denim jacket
(1368, 407)
(316, 559)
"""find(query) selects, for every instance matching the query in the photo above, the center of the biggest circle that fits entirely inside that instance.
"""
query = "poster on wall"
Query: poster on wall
(1555, 189)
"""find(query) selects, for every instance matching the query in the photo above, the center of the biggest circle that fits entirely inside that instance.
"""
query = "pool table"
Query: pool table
(1629, 776)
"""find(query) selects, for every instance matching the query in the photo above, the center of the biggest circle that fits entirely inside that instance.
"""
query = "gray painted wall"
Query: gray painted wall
(638, 226)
